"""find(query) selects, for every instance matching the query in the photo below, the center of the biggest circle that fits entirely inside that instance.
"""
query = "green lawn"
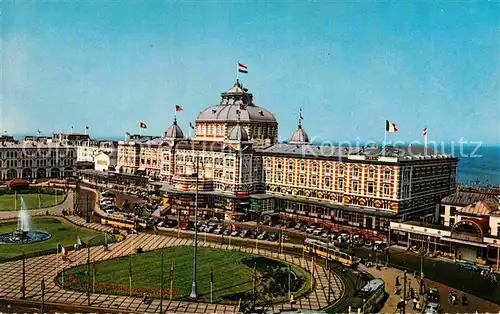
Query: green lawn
(7, 201)
(62, 231)
(232, 271)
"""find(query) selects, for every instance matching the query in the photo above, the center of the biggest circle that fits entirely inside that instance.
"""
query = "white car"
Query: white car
(318, 231)
(310, 229)
(432, 308)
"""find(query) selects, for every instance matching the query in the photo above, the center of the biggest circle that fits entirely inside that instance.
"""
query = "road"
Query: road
(444, 272)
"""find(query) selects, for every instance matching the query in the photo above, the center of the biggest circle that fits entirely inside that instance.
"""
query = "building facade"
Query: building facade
(239, 168)
(469, 229)
(86, 151)
(35, 159)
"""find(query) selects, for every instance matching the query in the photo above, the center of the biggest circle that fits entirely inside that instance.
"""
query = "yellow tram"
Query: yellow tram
(124, 222)
(331, 252)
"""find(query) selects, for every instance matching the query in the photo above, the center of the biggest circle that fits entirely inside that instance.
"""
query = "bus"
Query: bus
(369, 299)
(128, 222)
(330, 252)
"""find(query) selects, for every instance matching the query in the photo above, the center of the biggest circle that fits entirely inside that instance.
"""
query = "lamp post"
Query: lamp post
(194, 293)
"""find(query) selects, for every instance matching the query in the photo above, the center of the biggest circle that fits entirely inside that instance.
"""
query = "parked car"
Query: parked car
(298, 226)
(262, 236)
(244, 234)
(290, 224)
(318, 231)
(273, 237)
(218, 230)
(468, 265)
(235, 233)
(226, 232)
(310, 229)
(325, 235)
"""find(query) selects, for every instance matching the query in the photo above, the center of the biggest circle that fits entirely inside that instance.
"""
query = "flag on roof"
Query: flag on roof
(301, 117)
(242, 68)
(191, 125)
(390, 126)
(178, 108)
(143, 125)
(424, 132)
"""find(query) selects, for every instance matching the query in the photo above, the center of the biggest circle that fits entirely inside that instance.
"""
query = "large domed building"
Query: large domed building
(239, 169)
(215, 123)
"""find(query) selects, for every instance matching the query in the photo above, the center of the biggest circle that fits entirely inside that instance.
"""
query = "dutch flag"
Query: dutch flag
(242, 68)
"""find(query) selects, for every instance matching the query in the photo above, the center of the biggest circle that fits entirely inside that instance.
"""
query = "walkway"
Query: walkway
(47, 267)
(54, 210)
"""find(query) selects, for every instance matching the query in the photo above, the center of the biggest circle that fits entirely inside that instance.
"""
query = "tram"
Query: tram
(125, 222)
(369, 299)
(330, 252)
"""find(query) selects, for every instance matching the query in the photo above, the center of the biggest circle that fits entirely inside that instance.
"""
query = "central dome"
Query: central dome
(237, 106)
(234, 100)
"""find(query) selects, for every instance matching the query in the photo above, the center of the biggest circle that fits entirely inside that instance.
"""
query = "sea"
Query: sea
(479, 164)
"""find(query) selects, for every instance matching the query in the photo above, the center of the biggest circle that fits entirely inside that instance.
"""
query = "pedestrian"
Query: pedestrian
(418, 307)
(397, 281)
(464, 300)
(415, 301)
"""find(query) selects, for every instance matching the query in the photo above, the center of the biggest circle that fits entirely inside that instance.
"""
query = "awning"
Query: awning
(464, 242)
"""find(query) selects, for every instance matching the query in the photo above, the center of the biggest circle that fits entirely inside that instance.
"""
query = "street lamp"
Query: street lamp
(194, 293)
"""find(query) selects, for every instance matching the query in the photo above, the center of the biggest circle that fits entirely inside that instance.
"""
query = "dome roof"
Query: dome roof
(238, 133)
(174, 131)
(234, 100)
(299, 136)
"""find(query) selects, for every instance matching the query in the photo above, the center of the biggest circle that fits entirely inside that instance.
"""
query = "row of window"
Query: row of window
(314, 169)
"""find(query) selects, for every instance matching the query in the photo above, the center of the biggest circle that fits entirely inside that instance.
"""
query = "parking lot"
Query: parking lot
(286, 232)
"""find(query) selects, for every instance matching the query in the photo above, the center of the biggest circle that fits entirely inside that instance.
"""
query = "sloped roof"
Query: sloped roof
(465, 198)
(481, 208)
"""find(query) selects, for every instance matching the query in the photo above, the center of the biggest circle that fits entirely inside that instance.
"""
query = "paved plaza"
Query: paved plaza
(48, 266)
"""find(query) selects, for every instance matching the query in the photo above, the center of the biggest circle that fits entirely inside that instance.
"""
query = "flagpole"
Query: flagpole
(237, 72)
(312, 270)
(385, 136)
(161, 285)
(171, 280)
(129, 278)
(425, 141)
(94, 271)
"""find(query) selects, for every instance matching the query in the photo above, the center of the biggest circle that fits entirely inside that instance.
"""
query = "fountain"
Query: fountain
(25, 232)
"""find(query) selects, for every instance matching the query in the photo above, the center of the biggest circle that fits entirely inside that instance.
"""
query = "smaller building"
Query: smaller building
(104, 162)
(469, 229)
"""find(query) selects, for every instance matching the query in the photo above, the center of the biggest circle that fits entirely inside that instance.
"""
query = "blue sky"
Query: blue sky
(349, 66)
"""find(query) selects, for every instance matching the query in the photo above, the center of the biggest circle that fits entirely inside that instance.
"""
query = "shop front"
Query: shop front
(318, 212)
(458, 242)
